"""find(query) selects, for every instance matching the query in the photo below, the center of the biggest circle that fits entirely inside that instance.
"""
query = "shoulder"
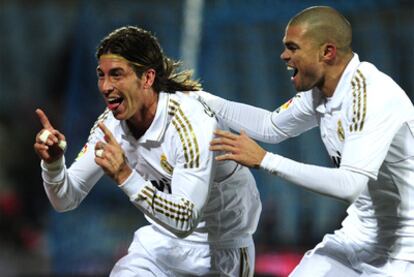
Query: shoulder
(194, 109)
(106, 118)
(304, 101)
(375, 97)
(190, 128)
(190, 119)
(373, 80)
(379, 89)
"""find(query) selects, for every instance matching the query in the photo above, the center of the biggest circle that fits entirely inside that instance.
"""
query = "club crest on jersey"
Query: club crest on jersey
(340, 131)
(82, 152)
(284, 107)
(165, 165)
(288, 103)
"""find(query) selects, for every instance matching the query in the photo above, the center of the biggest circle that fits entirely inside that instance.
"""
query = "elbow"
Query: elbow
(62, 208)
(352, 196)
(357, 183)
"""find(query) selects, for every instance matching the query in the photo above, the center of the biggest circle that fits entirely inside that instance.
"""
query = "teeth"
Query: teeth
(292, 69)
(113, 99)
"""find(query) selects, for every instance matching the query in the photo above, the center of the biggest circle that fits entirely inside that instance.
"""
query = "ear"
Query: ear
(328, 52)
(149, 78)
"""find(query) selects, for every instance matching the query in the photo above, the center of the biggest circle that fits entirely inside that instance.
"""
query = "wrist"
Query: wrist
(270, 162)
(123, 174)
(260, 158)
(53, 165)
(132, 185)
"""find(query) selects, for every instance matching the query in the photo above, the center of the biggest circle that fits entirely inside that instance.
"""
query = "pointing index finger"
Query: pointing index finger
(109, 137)
(43, 119)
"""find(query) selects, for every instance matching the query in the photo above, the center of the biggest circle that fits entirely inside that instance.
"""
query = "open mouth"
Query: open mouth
(114, 102)
(293, 70)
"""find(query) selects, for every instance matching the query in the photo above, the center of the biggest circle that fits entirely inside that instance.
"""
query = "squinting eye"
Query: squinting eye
(116, 74)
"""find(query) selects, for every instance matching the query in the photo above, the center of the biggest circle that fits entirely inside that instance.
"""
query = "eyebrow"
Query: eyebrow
(290, 44)
(111, 70)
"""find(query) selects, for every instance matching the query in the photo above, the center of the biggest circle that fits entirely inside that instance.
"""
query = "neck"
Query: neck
(142, 120)
(334, 75)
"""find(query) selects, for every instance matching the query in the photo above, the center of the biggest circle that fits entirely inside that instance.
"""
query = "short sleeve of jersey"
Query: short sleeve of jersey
(373, 117)
(297, 115)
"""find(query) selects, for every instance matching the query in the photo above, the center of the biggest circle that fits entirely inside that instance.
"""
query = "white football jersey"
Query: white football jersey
(175, 181)
(367, 126)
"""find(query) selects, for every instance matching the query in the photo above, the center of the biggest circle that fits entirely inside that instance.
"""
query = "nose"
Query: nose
(284, 55)
(106, 85)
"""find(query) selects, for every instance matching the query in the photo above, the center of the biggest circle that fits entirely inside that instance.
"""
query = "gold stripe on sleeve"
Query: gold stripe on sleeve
(194, 137)
(174, 102)
(359, 93)
(179, 212)
(182, 213)
(172, 107)
(364, 109)
(186, 132)
(353, 106)
(358, 117)
(179, 130)
(147, 193)
(100, 118)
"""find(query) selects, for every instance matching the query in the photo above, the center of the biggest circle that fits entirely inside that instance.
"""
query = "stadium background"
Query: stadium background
(47, 60)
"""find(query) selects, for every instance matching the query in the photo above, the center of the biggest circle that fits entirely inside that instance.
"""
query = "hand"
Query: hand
(239, 148)
(49, 144)
(110, 156)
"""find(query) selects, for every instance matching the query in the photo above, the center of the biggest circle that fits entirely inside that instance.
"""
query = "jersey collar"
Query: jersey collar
(158, 126)
(341, 90)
